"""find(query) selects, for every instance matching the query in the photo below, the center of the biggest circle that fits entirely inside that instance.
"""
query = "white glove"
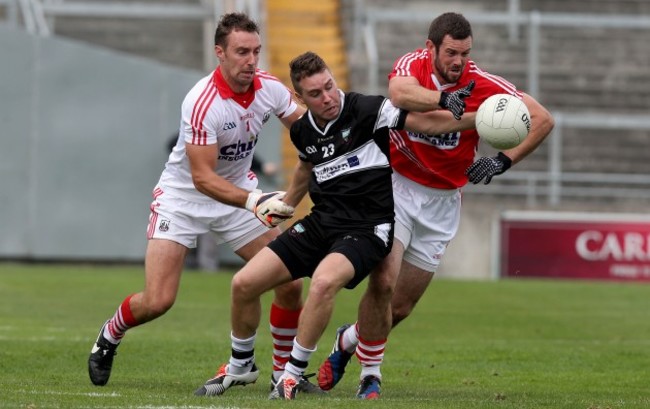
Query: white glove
(269, 207)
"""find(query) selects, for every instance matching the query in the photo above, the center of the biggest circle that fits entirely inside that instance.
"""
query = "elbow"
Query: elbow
(200, 183)
(543, 121)
(399, 101)
(397, 97)
(548, 123)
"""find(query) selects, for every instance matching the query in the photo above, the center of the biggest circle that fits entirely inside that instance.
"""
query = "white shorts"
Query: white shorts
(182, 221)
(426, 220)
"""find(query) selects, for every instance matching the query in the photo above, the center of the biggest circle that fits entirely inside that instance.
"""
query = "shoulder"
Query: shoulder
(415, 56)
(270, 81)
(266, 76)
(202, 94)
(299, 124)
(412, 64)
(201, 86)
(364, 103)
(301, 132)
(491, 83)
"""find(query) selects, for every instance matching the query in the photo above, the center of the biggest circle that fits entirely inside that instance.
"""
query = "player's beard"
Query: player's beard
(245, 78)
(444, 73)
(323, 118)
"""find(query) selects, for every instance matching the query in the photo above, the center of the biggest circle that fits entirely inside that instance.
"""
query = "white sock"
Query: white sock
(350, 338)
(242, 356)
(299, 360)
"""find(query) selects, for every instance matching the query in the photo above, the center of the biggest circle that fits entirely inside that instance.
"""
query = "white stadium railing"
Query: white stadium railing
(366, 20)
(554, 183)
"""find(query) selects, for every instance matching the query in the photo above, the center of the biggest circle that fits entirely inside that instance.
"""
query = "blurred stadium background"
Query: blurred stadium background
(90, 92)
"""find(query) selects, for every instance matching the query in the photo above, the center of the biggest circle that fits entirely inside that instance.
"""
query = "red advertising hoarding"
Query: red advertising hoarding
(601, 246)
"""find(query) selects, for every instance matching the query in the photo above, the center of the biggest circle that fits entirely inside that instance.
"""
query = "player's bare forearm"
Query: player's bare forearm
(542, 124)
(299, 184)
(438, 122)
(407, 93)
(220, 189)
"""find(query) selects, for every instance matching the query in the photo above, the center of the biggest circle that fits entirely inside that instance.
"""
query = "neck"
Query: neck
(237, 88)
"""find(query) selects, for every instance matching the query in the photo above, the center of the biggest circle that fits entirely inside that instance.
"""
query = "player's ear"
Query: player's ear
(430, 46)
(219, 52)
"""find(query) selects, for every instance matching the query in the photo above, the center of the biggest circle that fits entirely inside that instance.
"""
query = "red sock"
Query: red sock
(284, 327)
(371, 353)
(122, 320)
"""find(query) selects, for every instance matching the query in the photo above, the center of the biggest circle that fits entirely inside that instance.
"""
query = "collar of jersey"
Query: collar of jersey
(244, 99)
(324, 131)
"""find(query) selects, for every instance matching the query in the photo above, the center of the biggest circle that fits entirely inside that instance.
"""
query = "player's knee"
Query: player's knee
(242, 289)
(323, 289)
(238, 287)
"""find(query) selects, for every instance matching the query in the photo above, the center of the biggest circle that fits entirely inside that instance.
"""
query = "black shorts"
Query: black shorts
(306, 243)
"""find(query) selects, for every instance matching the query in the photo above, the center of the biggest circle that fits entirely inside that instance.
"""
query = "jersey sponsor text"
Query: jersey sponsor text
(444, 141)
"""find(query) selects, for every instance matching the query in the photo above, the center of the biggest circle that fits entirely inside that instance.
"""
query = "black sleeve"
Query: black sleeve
(294, 135)
(401, 121)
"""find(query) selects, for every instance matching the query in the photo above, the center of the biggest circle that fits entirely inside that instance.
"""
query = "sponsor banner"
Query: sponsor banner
(602, 246)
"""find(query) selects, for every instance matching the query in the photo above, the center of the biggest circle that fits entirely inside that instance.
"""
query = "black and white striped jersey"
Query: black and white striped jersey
(351, 180)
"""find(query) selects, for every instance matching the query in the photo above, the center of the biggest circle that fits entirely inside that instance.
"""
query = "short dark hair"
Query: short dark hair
(230, 22)
(454, 24)
(305, 65)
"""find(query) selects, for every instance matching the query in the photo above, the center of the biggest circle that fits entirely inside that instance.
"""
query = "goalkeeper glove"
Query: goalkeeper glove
(488, 167)
(454, 101)
(269, 207)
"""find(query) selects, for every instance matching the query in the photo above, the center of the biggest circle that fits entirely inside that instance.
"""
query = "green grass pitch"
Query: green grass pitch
(507, 344)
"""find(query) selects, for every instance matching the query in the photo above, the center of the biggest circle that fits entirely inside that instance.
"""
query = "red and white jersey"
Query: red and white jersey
(440, 161)
(212, 113)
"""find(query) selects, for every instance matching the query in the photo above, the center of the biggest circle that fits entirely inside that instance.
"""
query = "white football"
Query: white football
(503, 121)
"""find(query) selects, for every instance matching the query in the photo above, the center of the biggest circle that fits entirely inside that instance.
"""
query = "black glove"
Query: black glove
(454, 101)
(488, 167)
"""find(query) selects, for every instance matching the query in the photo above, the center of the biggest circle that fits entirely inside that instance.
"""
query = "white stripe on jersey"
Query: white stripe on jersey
(388, 116)
(403, 65)
(398, 141)
(367, 156)
(500, 81)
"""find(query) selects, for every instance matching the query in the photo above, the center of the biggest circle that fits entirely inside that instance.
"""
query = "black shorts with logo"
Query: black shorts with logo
(306, 243)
